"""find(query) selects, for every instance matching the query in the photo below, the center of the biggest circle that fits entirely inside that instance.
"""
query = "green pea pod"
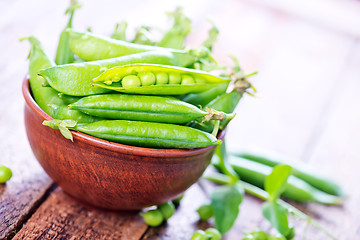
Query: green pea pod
(296, 189)
(148, 134)
(46, 97)
(187, 80)
(75, 79)
(91, 47)
(64, 54)
(142, 108)
(68, 99)
(226, 103)
(312, 178)
(203, 98)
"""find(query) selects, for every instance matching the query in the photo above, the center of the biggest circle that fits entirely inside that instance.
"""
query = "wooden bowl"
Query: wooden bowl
(107, 174)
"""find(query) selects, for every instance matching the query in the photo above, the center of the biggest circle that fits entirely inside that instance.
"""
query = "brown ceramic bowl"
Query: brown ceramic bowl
(107, 174)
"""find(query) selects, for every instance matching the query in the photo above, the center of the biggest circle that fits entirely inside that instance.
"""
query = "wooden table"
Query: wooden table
(307, 107)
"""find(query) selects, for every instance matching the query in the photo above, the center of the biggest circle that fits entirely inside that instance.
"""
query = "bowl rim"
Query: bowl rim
(113, 146)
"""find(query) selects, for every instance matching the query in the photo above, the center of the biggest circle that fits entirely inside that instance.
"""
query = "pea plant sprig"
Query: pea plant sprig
(275, 210)
(225, 199)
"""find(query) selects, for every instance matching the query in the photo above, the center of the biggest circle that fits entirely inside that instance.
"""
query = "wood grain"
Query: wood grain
(337, 153)
(62, 217)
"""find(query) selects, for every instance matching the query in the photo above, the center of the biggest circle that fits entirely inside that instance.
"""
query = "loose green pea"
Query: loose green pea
(276, 237)
(5, 174)
(291, 233)
(167, 210)
(177, 200)
(147, 78)
(258, 235)
(205, 212)
(213, 234)
(131, 81)
(186, 79)
(174, 78)
(153, 217)
(199, 235)
(200, 80)
(162, 78)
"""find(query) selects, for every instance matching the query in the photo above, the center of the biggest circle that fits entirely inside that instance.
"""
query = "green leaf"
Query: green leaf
(275, 183)
(66, 132)
(175, 36)
(62, 125)
(277, 216)
(225, 201)
(213, 34)
(54, 124)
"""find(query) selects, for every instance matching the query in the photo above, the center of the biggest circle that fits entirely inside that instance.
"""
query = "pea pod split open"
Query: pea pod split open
(153, 79)
(75, 79)
(144, 134)
(143, 108)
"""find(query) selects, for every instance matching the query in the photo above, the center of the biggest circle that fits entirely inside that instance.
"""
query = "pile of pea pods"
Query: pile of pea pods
(140, 92)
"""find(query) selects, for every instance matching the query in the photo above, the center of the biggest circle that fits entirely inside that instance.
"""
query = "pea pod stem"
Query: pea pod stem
(259, 193)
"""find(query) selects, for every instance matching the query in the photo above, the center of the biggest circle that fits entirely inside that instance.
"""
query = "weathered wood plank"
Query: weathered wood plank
(337, 153)
(62, 217)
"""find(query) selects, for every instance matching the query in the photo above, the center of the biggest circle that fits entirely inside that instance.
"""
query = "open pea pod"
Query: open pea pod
(153, 79)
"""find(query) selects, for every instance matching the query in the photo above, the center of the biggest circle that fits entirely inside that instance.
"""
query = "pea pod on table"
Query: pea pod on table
(144, 134)
(270, 159)
(296, 189)
(76, 79)
(143, 108)
(153, 79)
